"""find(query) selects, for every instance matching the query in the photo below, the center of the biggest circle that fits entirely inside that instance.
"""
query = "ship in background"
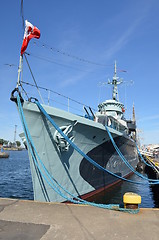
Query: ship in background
(68, 168)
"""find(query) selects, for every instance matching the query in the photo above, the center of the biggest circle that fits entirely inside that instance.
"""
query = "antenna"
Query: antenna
(115, 81)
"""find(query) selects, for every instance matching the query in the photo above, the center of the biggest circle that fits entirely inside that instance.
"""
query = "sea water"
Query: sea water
(15, 176)
(15, 182)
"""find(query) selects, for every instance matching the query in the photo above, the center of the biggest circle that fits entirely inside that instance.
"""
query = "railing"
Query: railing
(55, 99)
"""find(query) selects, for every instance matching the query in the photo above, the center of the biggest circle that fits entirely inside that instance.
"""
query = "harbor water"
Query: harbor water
(15, 182)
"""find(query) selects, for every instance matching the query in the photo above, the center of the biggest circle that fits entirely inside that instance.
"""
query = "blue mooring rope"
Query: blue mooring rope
(143, 160)
(91, 160)
(53, 181)
(154, 181)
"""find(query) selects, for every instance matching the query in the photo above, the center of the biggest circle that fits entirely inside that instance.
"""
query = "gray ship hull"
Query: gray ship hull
(68, 167)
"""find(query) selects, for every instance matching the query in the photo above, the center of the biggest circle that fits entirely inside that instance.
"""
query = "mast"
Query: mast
(115, 82)
(20, 69)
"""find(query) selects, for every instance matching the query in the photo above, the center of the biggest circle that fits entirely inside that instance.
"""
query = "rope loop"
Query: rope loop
(33, 100)
(14, 98)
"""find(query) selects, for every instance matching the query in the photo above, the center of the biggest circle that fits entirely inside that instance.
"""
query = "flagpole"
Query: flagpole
(30, 32)
(20, 68)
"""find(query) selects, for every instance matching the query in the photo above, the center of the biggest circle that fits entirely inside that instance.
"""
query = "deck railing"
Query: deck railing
(55, 99)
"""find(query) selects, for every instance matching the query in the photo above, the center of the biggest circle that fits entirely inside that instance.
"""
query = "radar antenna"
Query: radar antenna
(116, 81)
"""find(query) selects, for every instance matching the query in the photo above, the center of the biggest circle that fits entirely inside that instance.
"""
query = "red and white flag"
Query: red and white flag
(30, 32)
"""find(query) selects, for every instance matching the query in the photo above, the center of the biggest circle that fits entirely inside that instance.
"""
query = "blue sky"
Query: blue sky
(98, 31)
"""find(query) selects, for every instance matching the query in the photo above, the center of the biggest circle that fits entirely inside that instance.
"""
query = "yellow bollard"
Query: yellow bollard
(131, 200)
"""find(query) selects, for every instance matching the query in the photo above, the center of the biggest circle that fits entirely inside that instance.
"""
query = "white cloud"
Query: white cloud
(72, 80)
(122, 40)
(125, 36)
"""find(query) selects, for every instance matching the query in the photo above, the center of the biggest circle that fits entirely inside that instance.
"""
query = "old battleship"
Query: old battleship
(64, 163)
(60, 144)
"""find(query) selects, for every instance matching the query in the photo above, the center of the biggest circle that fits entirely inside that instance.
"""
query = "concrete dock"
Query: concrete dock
(29, 220)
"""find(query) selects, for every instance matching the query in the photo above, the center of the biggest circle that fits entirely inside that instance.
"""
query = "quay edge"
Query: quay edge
(47, 221)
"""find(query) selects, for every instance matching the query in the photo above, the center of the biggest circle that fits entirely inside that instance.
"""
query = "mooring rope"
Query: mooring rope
(53, 182)
(126, 162)
(142, 159)
(77, 149)
(92, 161)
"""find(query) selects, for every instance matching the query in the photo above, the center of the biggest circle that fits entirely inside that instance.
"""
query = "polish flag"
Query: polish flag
(30, 32)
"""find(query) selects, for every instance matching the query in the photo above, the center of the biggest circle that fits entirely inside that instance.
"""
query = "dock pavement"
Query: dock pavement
(31, 220)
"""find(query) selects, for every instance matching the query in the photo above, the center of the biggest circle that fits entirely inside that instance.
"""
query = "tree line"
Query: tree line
(6, 142)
